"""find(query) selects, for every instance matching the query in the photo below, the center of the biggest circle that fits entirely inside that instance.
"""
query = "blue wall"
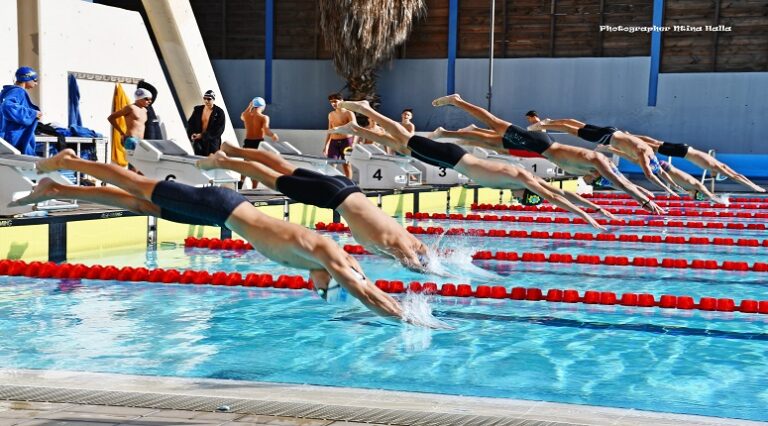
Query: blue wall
(725, 111)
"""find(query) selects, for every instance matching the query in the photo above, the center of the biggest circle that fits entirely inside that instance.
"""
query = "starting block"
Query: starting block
(540, 167)
(315, 163)
(433, 175)
(377, 170)
(165, 160)
(19, 176)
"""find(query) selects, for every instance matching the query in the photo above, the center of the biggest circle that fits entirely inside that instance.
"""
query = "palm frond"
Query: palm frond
(361, 34)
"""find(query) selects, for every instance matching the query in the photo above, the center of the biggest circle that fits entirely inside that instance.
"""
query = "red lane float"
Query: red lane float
(617, 211)
(593, 297)
(580, 221)
(619, 196)
(128, 273)
(727, 265)
(687, 204)
(216, 244)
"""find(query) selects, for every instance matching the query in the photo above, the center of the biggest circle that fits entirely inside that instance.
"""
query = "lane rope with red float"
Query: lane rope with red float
(617, 211)
(652, 262)
(579, 221)
(621, 196)
(554, 295)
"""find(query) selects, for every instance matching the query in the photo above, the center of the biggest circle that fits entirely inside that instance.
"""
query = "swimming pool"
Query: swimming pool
(709, 363)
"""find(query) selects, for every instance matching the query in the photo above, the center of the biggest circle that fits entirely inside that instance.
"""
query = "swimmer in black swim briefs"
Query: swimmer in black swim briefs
(628, 146)
(484, 172)
(283, 242)
(504, 135)
(372, 228)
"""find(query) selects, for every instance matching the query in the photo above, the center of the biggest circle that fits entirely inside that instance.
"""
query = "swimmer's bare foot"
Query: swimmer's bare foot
(211, 161)
(469, 128)
(539, 125)
(229, 148)
(46, 189)
(346, 129)
(446, 100)
(356, 106)
(56, 162)
(436, 134)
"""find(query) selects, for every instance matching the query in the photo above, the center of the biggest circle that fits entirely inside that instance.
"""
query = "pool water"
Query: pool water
(708, 363)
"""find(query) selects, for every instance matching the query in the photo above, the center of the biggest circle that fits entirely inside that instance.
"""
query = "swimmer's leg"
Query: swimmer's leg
(498, 125)
(269, 159)
(135, 184)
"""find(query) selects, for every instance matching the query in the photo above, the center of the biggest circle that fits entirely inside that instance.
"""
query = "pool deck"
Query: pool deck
(44, 397)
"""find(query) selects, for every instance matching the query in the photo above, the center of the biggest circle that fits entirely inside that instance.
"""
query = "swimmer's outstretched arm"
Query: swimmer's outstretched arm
(566, 125)
(622, 183)
(550, 194)
(646, 168)
(708, 162)
(347, 272)
(579, 200)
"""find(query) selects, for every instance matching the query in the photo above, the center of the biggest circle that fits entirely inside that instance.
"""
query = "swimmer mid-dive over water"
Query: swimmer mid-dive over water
(505, 135)
(487, 173)
(630, 146)
(685, 181)
(699, 158)
(281, 241)
(371, 227)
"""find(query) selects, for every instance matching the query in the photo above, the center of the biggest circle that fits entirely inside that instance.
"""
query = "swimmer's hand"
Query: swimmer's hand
(607, 214)
(653, 208)
(430, 322)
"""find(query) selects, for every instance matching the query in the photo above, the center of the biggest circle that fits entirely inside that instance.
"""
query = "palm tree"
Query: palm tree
(361, 34)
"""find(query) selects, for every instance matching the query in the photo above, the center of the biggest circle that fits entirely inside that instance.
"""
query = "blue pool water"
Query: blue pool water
(694, 362)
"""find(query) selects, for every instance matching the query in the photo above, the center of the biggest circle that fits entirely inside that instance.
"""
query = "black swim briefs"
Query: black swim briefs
(598, 135)
(435, 153)
(518, 138)
(210, 205)
(316, 189)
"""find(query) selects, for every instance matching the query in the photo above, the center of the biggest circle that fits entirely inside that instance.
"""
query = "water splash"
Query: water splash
(418, 311)
(456, 262)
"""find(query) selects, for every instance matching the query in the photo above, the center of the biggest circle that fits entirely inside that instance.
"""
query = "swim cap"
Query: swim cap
(258, 102)
(26, 74)
(142, 94)
(210, 94)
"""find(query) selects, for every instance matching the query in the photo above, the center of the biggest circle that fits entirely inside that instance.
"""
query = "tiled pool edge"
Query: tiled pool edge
(305, 401)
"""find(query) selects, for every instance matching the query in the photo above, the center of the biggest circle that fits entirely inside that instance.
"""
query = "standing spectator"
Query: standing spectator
(405, 120)
(256, 126)
(18, 115)
(205, 126)
(152, 130)
(135, 116)
(338, 145)
(256, 123)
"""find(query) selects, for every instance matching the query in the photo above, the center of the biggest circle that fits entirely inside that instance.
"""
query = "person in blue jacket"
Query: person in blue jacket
(18, 115)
